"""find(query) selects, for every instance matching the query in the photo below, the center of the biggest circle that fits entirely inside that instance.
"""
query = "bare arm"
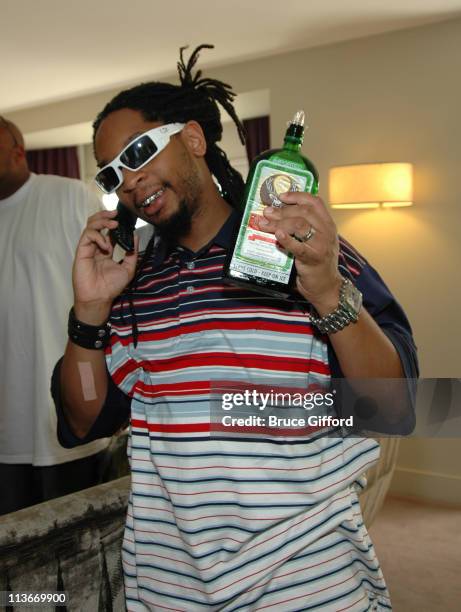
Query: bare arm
(97, 280)
(84, 379)
(363, 349)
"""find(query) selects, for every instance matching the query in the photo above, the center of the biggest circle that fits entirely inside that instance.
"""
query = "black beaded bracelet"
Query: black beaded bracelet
(87, 336)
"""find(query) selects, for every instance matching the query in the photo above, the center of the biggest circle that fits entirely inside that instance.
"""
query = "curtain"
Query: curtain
(257, 136)
(62, 161)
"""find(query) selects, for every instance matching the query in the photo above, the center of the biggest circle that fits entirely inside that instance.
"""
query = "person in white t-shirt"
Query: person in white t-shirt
(41, 220)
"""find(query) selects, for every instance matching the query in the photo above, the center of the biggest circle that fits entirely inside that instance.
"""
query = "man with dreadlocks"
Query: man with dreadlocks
(214, 522)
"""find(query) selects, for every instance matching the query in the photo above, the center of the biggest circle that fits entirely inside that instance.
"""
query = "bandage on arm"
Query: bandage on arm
(83, 386)
(87, 379)
(113, 416)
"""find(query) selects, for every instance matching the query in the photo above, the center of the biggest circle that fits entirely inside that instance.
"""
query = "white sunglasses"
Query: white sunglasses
(136, 155)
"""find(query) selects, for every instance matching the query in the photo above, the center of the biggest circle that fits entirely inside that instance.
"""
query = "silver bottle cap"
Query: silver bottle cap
(298, 119)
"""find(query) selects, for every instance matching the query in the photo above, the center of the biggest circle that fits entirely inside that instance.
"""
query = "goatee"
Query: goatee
(177, 226)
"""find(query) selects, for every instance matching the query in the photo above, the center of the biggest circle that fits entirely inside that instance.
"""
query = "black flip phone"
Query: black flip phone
(123, 234)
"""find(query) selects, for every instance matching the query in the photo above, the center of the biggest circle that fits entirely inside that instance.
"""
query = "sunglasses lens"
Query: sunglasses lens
(139, 152)
(107, 179)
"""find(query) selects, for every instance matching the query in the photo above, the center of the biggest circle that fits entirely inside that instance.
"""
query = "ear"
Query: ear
(19, 154)
(194, 138)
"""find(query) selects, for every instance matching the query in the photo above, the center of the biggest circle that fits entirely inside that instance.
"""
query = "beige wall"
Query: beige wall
(391, 97)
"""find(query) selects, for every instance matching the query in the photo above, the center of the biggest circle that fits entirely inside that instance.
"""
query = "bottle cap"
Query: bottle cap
(298, 119)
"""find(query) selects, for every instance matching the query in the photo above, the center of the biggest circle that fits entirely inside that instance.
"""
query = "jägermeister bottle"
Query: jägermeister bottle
(256, 260)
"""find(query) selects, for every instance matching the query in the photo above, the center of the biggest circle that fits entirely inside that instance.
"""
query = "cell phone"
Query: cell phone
(123, 234)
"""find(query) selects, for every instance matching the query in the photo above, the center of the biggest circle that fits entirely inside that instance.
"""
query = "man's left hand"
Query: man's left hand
(316, 259)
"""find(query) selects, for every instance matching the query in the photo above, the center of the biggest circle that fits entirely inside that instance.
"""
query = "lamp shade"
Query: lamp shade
(371, 185)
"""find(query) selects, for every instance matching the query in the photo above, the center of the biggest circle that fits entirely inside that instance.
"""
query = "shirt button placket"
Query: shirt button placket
(190, 265)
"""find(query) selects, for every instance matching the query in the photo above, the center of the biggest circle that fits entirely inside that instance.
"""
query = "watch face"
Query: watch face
(352, 298)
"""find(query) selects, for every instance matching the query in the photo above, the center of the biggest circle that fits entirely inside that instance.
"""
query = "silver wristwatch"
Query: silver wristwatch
(347, 311)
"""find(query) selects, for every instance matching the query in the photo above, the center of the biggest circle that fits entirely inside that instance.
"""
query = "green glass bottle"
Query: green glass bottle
(256, 260)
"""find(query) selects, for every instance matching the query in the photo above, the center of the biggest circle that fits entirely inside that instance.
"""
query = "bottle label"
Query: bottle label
(257, 253)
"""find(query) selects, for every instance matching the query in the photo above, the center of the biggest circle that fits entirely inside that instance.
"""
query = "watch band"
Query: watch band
(342, 316)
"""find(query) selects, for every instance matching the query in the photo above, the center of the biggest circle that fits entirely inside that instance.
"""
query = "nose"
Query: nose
(131, 179)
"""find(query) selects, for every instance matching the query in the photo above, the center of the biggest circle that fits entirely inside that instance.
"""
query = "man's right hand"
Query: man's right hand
(97, 279)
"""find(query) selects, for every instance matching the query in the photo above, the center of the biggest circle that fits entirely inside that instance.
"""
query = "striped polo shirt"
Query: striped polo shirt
(218, 522)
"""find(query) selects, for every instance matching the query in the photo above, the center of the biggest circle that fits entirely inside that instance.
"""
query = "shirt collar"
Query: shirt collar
(222, 239)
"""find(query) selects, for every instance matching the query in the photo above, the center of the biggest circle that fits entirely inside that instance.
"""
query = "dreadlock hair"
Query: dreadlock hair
(194, 99)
